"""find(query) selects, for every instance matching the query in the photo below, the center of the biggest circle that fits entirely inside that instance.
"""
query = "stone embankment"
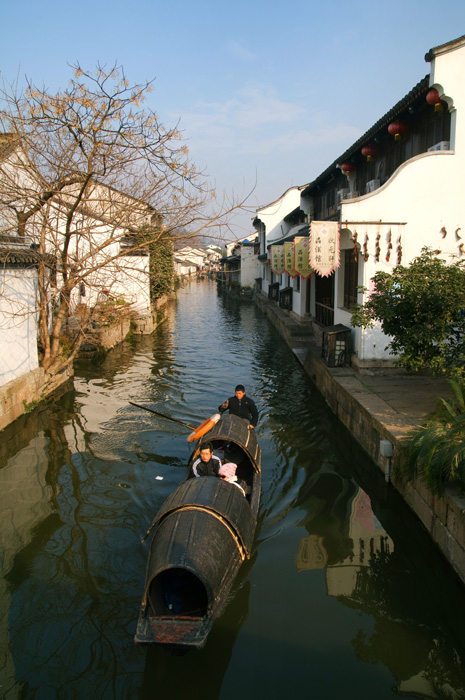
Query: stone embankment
(379, 410)
(21, 395)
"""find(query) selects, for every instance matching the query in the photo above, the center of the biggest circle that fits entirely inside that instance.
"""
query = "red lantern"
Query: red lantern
(369, 151)
(397, 129)
(433, 99)
(348, 167)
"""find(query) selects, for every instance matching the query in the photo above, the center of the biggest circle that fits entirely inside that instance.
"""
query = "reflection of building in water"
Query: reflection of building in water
(360, 571)
(25, 503)
(420, 687)
(368, 538)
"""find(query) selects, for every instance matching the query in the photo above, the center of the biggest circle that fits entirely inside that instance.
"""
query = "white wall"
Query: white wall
(131, 282)
(184, 268)
(423, 198)
(249, 266)
(272, 215)
(18, 324)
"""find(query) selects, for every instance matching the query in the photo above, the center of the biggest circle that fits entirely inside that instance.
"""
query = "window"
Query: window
(350, 278)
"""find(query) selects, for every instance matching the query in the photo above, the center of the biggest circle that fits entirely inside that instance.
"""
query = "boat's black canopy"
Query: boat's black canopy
(233, 429)
(200, 528)
(224, 501)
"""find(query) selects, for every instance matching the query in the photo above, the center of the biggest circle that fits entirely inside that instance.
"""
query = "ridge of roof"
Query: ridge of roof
(445, 48)
(276, 201)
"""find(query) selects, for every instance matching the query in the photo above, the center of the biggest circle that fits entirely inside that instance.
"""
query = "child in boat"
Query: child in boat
(227, 472)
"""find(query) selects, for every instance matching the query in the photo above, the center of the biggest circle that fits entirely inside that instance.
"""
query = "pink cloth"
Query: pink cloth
(227, 470)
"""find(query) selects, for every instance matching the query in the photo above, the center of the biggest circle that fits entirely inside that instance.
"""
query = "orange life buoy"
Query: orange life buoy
(204, 427)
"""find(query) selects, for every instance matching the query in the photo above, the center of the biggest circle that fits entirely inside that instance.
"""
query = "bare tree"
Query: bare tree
(95, 180)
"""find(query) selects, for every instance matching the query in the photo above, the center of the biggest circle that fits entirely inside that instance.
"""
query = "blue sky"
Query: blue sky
(265, 92)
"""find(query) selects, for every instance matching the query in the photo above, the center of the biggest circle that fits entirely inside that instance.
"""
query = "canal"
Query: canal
(345, 596)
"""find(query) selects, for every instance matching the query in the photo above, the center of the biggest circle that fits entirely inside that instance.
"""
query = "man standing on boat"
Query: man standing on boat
(241, 405)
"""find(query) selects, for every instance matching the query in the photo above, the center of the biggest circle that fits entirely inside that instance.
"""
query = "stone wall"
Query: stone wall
(443, 517)
(20, 395)
(296, 331)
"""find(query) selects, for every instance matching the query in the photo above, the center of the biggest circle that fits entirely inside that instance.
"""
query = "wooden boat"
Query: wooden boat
(202, 534)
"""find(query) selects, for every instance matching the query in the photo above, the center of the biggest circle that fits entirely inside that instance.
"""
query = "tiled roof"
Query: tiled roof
(403, 104)
(13, 257)
(14, 253)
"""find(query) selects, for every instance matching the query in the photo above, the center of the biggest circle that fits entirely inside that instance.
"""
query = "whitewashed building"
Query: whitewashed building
(18, 318)
(240, 267)
(395, 190)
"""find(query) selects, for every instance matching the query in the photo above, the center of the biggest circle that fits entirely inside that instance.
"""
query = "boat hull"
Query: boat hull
(202, 534)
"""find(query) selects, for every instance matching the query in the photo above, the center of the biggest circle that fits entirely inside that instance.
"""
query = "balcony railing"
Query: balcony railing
(324, 314)
(273, 291)
(285, 298)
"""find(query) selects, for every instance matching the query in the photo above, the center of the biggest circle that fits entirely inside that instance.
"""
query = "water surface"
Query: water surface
(345, 596)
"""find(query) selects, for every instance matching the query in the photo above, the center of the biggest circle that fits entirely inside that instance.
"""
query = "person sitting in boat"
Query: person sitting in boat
(207, 464)
(227, 472)
(241, 405)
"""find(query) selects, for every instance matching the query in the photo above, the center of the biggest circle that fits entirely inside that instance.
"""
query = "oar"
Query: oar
(157, 413)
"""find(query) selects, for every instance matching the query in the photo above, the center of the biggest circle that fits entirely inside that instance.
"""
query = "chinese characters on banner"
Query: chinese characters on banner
(324, 246)
(277, 259)
(301, 257)
(289, 259)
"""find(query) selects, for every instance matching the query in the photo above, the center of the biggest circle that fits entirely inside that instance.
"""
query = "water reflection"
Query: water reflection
(413, 617)
(200, 674)
(343, 554)
(342, 576)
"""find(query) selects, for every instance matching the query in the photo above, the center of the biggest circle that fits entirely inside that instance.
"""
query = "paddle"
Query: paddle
(157, 413)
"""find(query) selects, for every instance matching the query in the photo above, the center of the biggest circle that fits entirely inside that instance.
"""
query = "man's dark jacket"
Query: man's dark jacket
(244, 408)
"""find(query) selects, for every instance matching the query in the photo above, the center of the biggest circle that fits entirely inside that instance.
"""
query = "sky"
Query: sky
(267, 95)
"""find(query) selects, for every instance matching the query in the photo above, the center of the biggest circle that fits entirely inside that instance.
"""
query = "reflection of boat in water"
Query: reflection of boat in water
(188, 675)
(203, 533)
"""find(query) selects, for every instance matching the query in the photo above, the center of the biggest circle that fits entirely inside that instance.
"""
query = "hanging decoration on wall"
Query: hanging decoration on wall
(324, 246)
(289, 258)
(377, 247)
(397, 129)
(433, 99)
(443, 231)
(347, 167)
(399, 251)
(354, 238)
(458, 238)
(277, 259)
(365, 248)
(369, 151)
(302, 257)
(389, 248)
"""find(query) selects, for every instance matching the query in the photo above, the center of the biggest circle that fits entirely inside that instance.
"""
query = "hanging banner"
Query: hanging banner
(324, 246)
(289, 259)
(301, 257)
(277, 259)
